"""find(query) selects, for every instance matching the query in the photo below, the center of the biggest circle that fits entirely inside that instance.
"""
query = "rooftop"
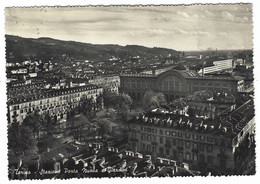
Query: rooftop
(229, 125)
(47, 93)
(188, 74)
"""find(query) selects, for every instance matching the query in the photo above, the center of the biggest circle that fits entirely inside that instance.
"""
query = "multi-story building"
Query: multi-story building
(110, 83)
(202, 143)
(53, 102)
(217, 66)
(211, 106)
(174, 84)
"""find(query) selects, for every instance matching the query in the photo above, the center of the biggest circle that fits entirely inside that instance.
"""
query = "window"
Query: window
(161, 140)
(187, 135)
(143, 146)
(148, 148)
(154, 138)
(168, 141)
(173, 133)
(209, 148)
(202, 138)
(195, 146)
(187, 156)
(133, 145)
(187, 145)
(154, 149)
(216, 141)
(209, 139)
(148, 138)
(201, 147)
(180, 155)
(195, 137)
(202, 158)
(143, 137)
(174, 142)
(161, 151)
(179, 134)
(195, 157)
(180, 144)
(209, 159)
(167, 151)
(161, 132)
(167, 133)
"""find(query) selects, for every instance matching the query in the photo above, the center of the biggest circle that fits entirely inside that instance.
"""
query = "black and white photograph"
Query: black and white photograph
(129, 91)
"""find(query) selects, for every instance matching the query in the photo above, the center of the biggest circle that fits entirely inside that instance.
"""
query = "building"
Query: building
(157, 70)
(211, 106)
(110, 83)
(174, 84)
(202, 143)
(217, 66)
(52, 102)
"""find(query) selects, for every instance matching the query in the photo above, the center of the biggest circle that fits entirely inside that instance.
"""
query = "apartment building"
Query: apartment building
(52, 102)
(202, 143)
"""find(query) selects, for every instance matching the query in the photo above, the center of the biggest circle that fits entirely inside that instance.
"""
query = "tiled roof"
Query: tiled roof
(228, 126)
(44, 93)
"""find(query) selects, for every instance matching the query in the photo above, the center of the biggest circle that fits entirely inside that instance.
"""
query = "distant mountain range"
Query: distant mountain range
(19, 49)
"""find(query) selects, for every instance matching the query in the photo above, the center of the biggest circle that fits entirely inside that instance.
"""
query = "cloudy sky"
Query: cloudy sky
(196, 27)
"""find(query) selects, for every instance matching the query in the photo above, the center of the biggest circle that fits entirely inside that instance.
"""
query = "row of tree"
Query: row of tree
(35, 131)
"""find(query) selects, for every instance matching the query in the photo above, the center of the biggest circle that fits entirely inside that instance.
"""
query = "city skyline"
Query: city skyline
(197, 27)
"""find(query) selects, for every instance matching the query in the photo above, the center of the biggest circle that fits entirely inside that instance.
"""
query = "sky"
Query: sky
(193, 27)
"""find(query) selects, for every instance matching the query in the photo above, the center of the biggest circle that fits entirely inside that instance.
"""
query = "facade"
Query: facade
(52, 102)
(210, 109)
(174, 84)
(217, 66)
(111, 83)
(203, 144)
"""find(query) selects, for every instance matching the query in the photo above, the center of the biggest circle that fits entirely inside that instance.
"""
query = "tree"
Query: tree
(20, 138)
(47, 138)
(87, 106)
(35, 121)
(104, 127)
(122, 102)
(107, 94)
(153, 100)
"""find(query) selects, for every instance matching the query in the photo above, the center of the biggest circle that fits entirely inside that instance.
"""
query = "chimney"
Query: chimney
(185, 166)
(176, 169)
(153, 71)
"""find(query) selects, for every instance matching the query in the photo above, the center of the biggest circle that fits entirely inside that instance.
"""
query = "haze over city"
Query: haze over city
(197, 27)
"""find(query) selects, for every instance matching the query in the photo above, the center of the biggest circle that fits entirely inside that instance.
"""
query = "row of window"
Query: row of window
(139, 85)
(179, 143)
(185, 135)
(54, 99)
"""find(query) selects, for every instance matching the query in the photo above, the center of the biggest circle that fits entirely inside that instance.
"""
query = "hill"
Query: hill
(19, 49)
